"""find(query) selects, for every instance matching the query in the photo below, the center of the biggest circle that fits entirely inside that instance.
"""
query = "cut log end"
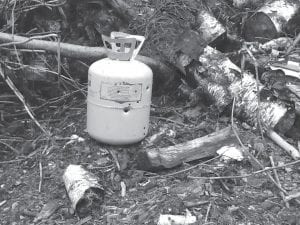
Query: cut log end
(148, 160)
(259, 27)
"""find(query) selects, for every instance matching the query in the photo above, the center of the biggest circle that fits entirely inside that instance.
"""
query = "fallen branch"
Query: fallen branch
(83, 52)
(168, 157)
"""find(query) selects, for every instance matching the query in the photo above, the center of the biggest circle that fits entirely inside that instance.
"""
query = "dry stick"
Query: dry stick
(291, 150)
(80, 52)
(207, 213)
(58, 59)
(21, 98)
(41, 176)
(249, 154)
(115, 157)
(13, 18)
(278, 181)
(292, 196)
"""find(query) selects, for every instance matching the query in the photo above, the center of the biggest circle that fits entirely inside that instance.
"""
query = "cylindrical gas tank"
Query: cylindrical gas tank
(119, 93)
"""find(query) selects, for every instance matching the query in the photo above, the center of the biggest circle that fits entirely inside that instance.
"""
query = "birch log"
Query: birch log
(222, 81)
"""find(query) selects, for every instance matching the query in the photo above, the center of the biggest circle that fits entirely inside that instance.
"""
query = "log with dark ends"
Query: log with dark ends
(168, 157)
(259, 27)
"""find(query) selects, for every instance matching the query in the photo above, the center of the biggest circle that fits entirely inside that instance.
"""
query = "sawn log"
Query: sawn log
(168, 157)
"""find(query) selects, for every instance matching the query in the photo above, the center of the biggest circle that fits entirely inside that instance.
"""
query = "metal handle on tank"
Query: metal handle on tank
(122, 46)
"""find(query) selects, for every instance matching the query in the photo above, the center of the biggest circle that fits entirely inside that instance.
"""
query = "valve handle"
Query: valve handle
(122, 46)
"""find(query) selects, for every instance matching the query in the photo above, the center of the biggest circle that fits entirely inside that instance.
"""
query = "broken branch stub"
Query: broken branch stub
(169, 157)
(221, 81)
(270, 20)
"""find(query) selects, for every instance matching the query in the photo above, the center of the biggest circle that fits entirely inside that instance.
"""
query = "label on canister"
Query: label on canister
(121, 92)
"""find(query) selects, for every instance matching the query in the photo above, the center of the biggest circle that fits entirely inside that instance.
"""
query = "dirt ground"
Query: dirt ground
(215, 191)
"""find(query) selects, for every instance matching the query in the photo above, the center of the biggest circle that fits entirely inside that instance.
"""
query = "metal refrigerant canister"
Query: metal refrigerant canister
(119, 92)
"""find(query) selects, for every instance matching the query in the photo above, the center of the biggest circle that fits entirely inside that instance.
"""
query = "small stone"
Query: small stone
(251, 207)
(276, 209)
(266, 205)
(102, 161)
(71, 211)
(18, 182)
(246, 126)
(65, 212)
(117, 178)
(258, 146)
(268, 193)
(14, 206)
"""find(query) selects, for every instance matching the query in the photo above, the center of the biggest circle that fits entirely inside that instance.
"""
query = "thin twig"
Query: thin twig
(282, 195)
(169, 120)
(115, 157)
(266, 169)
(21, 98)
(41, 176)
(13, 18)
(12, 161)
(58, 59)
(207, 212)
(10, 147)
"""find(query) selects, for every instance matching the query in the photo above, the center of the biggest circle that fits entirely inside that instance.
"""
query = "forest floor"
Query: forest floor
(32, 190)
